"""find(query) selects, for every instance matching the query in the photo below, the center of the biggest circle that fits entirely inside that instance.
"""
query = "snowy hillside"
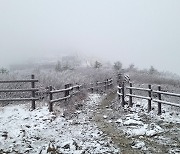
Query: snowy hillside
(100, 126)
(38, 131)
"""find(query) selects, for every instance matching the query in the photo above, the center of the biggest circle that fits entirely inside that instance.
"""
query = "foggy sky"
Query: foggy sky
(132, 31)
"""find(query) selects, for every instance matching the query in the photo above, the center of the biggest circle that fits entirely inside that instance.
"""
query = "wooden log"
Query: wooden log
(19, 90)
(159, 104)
(130, 97)
(50, 99)
(166, 93)
(138, 96)
(33, 92)
(135, 88)
(119, 93)
(123, 95)
(97, 87)
(11, 81)
(149, 100)
(18, 99)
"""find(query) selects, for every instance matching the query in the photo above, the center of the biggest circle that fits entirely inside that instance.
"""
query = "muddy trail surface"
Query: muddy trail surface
(107, 117)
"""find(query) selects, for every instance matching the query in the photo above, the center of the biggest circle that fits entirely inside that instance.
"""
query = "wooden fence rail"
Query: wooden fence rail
(121, 91)
(106, 84)
(67, 94)
(68, 91)
(32, 90)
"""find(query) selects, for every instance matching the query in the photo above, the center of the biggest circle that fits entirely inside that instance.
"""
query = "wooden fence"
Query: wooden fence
(103, 85)
(68, 92)
(150, 91)
(32, 90)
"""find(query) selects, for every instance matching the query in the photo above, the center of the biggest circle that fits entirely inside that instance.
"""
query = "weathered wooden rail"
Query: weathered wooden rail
(68, 93)
(106, 84)
(150, 91)
(33, 89)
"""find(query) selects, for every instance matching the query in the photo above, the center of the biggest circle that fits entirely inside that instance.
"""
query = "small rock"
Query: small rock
(119, 121)
(141, 137)
(27, 126)
(110, 121)
(5, 135)
(67, 146)
(171, 113)
(104, 116)
(138, 145)
(132, 143)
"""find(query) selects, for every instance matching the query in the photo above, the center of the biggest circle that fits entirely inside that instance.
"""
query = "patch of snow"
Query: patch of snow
(119, 121)
(147, 130)
(110, 121)
(105, 116)
(40, 131)
(133, 122)
(139, 145)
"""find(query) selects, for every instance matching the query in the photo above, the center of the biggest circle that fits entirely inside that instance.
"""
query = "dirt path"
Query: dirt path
(106, 113)
(110, 129)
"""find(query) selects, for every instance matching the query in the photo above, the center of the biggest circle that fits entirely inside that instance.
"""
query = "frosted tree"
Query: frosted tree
(152, 70)
(58, 66)
(132, 68)
(97, 64)
(117, 66)
(3, 71)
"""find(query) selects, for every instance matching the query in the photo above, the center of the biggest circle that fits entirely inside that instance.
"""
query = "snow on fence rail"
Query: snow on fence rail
(32, 90)
(121, 94)
(67, 94)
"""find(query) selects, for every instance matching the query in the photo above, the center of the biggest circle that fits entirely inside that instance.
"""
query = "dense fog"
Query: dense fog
(141, 32)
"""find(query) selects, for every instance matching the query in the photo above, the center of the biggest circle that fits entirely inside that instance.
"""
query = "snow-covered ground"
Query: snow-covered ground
(149, 130)
(39, 131)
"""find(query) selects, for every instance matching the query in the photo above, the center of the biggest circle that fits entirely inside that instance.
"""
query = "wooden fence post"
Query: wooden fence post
(50, 98)
(159, 97)
(123, 95)
(149, 101)
(107, 84)
(92, 87)
(111, 82)
(130, 97)
(78, 88)
(97, 87)
(119, 90)
(66, 93)
(33, 92)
